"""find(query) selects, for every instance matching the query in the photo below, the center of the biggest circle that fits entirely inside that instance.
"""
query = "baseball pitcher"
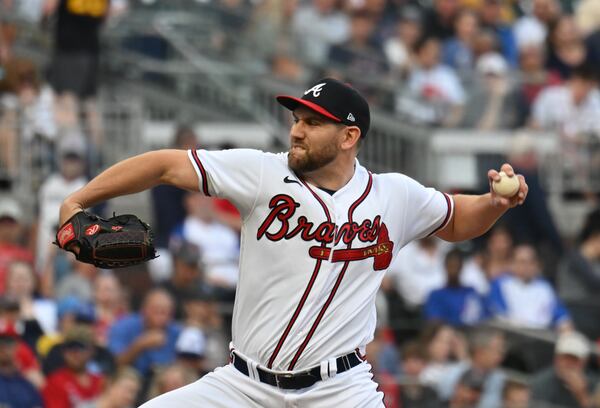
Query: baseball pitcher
(319, 231)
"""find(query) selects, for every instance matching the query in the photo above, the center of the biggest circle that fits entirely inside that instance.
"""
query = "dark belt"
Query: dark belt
(298, 380)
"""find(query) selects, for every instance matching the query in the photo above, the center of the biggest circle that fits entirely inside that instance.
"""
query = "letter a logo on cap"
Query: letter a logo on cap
(316, 90)
(351, 117)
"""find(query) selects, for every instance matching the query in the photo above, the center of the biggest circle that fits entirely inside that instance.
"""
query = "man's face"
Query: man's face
(314, 141)
(9, 230)
(491, 357)
(158, 311)
(8, 347)
(76, 358)
(525, 263)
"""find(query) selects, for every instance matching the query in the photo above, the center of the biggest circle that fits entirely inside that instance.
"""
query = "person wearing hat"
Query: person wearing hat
(186, 272)
(75, 383)
(11, 227)
(69, 178)
(566, 383)
(191, 350)
(16, 389)
(319, 230)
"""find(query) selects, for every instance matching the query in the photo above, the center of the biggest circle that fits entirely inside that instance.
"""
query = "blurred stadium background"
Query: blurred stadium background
(456, 87)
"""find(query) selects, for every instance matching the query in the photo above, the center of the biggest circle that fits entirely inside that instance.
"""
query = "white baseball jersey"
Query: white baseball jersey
(311, 262)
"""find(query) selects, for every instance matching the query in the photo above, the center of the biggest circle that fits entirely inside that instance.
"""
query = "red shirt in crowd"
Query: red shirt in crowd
(64, 390)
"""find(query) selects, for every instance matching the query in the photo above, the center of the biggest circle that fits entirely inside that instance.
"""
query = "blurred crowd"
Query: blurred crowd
(510, 320)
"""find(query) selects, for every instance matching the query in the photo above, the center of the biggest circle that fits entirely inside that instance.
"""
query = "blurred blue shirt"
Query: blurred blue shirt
(126, 330)
(458, 306)
(17, 392)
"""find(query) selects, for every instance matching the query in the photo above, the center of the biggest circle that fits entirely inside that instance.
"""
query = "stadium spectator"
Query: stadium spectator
(532, 28)
(76, 46)
(458, 51)
(491, 18)
(186, 273)
(533, 222)
(455, 304)
(493, 101)
(71, 312)
(578, 280)
(201, 312)
(435, 94)
(317, 26)
(440, 18)
(383, 353)
(534, 77)
(121, 390)
(27, 112)
(109, 305)
(25, 360)
(524, 298)
(36, 315)
(69, 178)
(191, 350)
(468, 391)
(516, 394)
(417, 270)
(361, 58)
(168, 210)
(566, 48)
(486, 355)
(444, 347)
(170, 378)
(100, 361)
(498, 252)
(399, 47)
(272, 26)
(566, 383)
(167, 201)
(74, 384)
(11, 229)
(146, 339)
(16, 390)
(413, 393)
(572, 107)
(78, 283)
(218, 243)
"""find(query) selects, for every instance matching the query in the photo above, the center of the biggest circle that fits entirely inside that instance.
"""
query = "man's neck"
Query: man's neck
(332, 176)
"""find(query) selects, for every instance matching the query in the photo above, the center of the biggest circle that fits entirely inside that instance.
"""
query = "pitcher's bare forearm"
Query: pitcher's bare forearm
(473, 216)
(133, 175)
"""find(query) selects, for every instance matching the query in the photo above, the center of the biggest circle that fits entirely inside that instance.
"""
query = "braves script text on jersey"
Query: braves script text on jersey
(311, 263)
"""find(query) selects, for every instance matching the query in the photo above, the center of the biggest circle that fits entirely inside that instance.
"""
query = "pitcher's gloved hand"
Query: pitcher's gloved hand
(120, 241)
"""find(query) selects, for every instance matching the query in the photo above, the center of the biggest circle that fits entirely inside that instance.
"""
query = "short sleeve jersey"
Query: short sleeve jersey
(311, 262)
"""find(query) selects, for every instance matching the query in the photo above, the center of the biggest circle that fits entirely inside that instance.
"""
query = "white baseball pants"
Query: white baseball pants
(226, 387)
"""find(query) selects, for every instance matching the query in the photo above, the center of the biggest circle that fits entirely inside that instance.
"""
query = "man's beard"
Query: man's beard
(312, 160)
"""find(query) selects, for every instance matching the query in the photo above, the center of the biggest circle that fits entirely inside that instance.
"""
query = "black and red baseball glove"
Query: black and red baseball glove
(120, 241)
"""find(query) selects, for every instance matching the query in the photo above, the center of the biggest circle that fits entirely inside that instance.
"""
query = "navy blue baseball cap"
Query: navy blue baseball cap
(335, 100)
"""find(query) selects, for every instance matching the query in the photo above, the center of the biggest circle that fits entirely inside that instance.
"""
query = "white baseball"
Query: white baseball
(507, 186)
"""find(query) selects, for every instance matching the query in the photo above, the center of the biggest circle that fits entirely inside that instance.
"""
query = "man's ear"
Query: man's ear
(351, 137)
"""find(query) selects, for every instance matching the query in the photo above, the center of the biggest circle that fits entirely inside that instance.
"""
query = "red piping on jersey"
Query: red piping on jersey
(448, 213)
(296, 313)
(311, 282)
(337, 282)
(202, 172)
